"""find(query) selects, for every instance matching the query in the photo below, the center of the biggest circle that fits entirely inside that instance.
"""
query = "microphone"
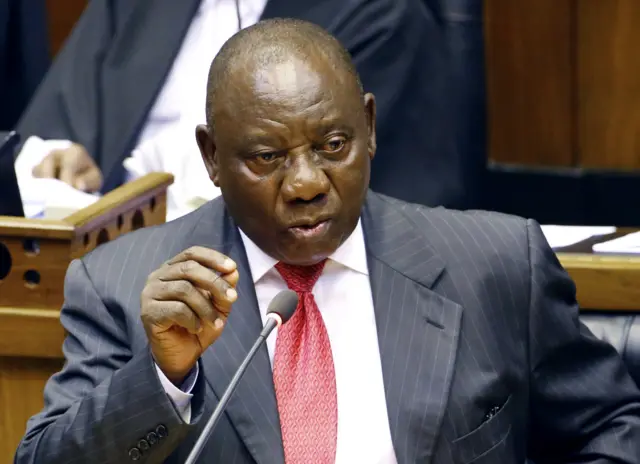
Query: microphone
(279, 312)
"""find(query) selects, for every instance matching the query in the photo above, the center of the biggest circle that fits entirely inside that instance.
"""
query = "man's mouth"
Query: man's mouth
(305, 231)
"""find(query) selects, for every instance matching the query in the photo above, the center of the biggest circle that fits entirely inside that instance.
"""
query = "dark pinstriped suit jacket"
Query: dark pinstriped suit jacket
(484, 360)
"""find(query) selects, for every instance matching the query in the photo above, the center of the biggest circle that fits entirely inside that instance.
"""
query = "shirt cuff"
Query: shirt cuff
(181, 397)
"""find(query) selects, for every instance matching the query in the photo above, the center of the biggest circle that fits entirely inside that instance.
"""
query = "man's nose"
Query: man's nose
(304, 181)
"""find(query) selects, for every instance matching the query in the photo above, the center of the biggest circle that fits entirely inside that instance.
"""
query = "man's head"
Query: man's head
(289, 138)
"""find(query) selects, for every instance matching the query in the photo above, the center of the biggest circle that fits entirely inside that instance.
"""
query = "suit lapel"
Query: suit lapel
(252, 409)
(417, 328)
(134, 70)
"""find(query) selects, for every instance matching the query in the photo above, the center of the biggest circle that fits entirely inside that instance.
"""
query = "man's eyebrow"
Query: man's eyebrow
(259, 138)
(327, 125)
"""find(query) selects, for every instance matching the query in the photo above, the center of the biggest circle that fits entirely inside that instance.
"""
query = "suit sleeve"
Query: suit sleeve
(584, 405)
(107, 404)
(66, 104)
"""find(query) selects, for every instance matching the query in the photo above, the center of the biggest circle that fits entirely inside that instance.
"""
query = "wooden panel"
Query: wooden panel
(21, 384)
(609, 83)
(45, 333)
(61, 17)
(35, 275)
(604, 282)
(529, 80)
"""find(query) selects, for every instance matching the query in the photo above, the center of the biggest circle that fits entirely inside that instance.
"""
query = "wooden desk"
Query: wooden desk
(30, 332)
(604, 281)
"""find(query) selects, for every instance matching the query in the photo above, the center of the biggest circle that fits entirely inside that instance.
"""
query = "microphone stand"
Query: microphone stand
(271, 324)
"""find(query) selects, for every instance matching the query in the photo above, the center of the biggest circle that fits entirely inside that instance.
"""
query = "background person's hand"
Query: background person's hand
(72, 165)
(184, 307)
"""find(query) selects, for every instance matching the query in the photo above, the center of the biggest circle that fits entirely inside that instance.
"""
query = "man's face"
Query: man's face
(291, 154)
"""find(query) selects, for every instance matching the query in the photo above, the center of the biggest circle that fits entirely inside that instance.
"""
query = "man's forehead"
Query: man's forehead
(287, 89)
(285, 84)
(291, 78)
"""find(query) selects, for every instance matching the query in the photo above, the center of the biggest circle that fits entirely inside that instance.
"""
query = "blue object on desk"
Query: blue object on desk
(10, 199)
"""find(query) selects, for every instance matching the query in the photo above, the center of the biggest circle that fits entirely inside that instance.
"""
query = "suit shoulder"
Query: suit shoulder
(483, 231)
(440, 213)
(480, 219)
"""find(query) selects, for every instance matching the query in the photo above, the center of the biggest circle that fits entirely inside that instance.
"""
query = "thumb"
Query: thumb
(68, 173)
(210, 332)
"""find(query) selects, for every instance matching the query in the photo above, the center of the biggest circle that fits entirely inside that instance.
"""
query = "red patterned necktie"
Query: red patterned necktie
(304, 376)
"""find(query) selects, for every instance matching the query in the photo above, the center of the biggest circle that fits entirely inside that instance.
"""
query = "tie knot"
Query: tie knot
(300, 279)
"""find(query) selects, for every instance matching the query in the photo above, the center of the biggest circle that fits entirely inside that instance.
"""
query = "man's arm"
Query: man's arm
(584, 405)
(107, 401)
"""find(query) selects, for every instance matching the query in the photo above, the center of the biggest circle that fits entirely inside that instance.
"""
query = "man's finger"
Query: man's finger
(48, 167)
(207, 257)
(185, 292)
(222, 294)
(167, 314)
(89, 180)
(231, 278)
(210, 332)
(68, 173)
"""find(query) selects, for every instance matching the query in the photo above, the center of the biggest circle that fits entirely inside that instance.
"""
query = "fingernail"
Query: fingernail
(232, 294)
(218, 324)
(229, 264)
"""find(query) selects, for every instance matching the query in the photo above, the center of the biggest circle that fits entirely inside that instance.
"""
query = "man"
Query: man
(132, 70)
(24, 56)
(422, 335)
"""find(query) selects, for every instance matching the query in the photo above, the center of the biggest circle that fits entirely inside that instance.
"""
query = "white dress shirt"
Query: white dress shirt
(343, 295)
(182, 97)
(175, 150)
(180, 102)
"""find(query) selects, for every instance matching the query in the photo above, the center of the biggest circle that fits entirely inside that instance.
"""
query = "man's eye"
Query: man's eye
(334, 145)
(267, 157)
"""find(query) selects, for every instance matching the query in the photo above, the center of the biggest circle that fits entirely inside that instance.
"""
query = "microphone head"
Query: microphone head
(284, 305)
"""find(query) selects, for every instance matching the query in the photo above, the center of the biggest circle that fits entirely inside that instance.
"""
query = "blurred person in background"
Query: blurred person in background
(132, 71)
(24, 56)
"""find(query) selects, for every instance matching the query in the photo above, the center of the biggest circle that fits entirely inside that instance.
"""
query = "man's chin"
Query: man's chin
(307, 254)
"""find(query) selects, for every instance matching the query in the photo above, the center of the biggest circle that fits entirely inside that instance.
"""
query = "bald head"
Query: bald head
(277, 42)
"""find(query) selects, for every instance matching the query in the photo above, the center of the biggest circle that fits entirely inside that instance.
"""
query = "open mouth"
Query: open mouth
(310, 231)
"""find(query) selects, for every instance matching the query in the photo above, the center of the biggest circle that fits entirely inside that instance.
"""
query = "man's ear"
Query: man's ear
(370, 111)
(204, 137)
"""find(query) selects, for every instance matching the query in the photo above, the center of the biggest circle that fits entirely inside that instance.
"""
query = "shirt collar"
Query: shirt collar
(351, 254)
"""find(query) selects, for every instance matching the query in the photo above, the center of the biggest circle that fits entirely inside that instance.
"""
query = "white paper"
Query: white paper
(33, 152)
(626, 244)
(32, 211)
(37, 194)
(563, 236)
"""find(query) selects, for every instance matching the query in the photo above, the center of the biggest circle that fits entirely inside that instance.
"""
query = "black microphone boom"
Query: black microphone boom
(279, 311)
